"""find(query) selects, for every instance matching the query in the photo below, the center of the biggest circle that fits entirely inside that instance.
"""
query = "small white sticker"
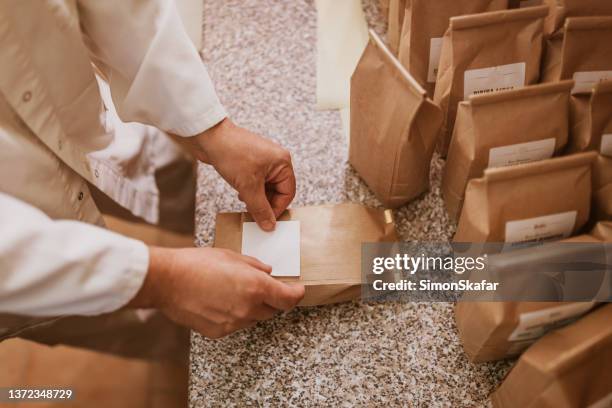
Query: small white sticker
(548, 227)
(493, 79)
(606, 145)
(529, 3)
(280, 248)
(435, 48)
(521, 153)
(584, 82)
(534, 325)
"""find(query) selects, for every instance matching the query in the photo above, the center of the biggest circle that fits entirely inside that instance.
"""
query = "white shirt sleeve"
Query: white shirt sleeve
(155, 73)
(53, 268)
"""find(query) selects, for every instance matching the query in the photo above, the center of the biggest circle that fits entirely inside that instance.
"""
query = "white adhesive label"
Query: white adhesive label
(521, 153)
(534, 325)
(435, 49)
(530, 3)
(494, 79)
(606, 145)
(585, 81)
(548, 227)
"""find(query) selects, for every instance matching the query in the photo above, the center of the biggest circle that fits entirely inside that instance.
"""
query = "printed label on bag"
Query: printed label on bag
(530, 3)
(534, 325)
(494, 79)
(606, 145)
(435, 48)
(548, 227)
(521, 153)
(585, 81)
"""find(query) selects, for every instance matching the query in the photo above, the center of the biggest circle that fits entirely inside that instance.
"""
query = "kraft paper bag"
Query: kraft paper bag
(569, 367)
(533, 202)
(492, 331)
(514, 4)
(393, 127)
(397, 9)
(484, 53)
(503, 129)
(603, 231)
(384, 8)
(330, 246)
(602, 188)
(591, 120)
(561, 9)
(425, 22)
(581, 51)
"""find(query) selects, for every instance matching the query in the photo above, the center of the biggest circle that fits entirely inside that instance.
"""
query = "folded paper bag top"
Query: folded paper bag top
(487, 52)
(502, 129)
(602, 188)
(394, 127)
(569, 367)
(425, 22)
(562, 9)
(603, 231)
(397, 9)
(331, 238)
(581, 51)
(539, 201)
(591, 120)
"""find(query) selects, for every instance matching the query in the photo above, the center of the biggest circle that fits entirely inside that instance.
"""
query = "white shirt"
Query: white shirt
(56, 133)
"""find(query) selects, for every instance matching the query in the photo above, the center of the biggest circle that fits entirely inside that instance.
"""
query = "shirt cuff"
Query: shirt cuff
(130, 282)
(201, 123)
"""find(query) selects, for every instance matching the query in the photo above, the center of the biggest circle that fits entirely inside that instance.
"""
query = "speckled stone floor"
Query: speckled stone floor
(261, 55)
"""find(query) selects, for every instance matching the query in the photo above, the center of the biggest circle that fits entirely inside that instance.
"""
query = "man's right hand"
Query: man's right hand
(213, 291)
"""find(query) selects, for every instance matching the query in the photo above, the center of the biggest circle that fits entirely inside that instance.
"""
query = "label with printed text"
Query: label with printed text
(533, 325)
(521, 153)
(537, 229)
(435, 48)
(584, 82)
(493, 79)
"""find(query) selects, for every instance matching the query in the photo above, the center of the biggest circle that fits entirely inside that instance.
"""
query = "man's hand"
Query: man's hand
(258, 168)
(213, 291)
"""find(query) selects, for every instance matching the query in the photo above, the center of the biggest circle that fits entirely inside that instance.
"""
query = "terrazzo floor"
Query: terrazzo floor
(261, 55)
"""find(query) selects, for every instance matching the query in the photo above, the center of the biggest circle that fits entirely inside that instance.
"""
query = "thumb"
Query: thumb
(260, 209)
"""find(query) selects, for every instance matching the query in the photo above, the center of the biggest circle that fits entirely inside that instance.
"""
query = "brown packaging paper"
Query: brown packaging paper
(425, 22)
(330, 246)
(384, 8)
(591, 119)
(502, 129)
(394, 127)
(603, 231)
(602, 188)
(583, 46)
(561, 9)
(569, 367)
(514, 4)
(540, 201)
(397, 9)
(497, 42)
(492, 331)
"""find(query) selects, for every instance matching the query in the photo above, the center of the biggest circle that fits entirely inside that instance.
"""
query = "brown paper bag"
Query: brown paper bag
(569, 367)
(591, 120)
(330, 246)
(514, 4)
(561, 9)
(502, 129)
(425, 22)
(540, 201)
(484, 53)
(394, 127)
(603, 231)
(384, 8)
(581, 51)
(602, 188)
(492, 331)
(397, 9)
